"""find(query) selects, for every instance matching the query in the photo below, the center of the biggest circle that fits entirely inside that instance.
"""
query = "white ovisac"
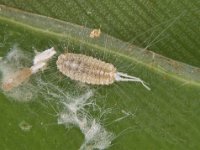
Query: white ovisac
(41, 59)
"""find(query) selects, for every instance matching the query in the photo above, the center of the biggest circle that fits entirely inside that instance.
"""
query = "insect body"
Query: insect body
(91, 70)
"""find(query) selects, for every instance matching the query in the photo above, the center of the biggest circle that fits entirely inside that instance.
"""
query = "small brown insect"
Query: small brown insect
(91, 70)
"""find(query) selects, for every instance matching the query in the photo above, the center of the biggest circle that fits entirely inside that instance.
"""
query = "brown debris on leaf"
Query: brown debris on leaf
(95, 33)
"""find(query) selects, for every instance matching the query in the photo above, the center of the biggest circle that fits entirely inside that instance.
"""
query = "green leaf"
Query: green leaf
(165, 117)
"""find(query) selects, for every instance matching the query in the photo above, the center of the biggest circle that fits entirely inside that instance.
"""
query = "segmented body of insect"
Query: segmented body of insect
(91, 70)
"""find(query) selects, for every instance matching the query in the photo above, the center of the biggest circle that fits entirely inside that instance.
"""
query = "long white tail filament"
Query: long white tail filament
(124, 77)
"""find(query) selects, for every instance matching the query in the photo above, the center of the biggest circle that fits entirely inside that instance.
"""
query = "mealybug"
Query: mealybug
(91, 70)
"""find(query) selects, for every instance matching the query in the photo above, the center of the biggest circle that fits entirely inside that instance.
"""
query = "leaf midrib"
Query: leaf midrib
(155, 69)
